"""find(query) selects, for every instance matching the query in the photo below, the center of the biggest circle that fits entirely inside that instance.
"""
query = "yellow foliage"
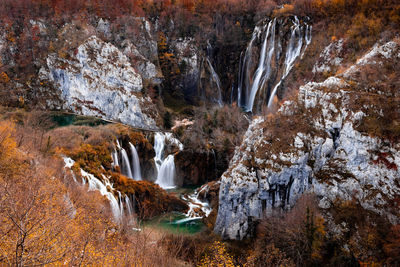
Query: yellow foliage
(4, 77)
(8, 152)
(217, 256)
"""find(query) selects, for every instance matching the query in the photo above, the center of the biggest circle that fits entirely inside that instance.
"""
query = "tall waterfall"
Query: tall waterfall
(264, 67)
(165, 165)
(214, 81)
(217, 82)
(135, 163)
(258, 84)
(129, 168)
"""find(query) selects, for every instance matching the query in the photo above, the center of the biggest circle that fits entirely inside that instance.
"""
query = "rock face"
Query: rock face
(322, 141)
(137, 40)
(189, 58)
(100, 81)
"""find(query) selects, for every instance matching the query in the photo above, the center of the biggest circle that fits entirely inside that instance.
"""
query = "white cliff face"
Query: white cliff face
(330, 57)
(99, 81)
(324, 153)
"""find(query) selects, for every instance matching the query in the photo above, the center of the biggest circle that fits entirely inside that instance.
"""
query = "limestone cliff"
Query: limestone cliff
(324, 140)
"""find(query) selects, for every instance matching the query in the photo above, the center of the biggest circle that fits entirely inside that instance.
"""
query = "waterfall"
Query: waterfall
(259, 83)
(129, 168)
(264, 66)
(165, 165)
(125, 165)
(244, 69)
(307, 38)
(105, 187)
(96, 184)
(114, 156)
(128, 205)
(159, 140)
(217, 82)
(292, 53)
(166, 174)
(121, 206)
(196, 204)
(135, 163)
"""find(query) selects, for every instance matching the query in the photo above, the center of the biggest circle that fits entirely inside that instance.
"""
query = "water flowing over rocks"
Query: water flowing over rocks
(264, 67)
(319, 148)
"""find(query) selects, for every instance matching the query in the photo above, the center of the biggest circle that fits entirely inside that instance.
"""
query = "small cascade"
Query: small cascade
(135, 163)
(259, 83)
(121, 206)
(166, 174)
(129, 168)
(96, 184)
(165, 165)
(114, 156)
(196, 205)
(125, 165)
(214, 81)
(128, 205)
(105, 187)
(159, 143)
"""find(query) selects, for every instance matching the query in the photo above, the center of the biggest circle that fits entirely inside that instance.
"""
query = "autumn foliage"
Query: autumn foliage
(47, 219)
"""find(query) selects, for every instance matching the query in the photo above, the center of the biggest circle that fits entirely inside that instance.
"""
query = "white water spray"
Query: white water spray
(217, 82)
(166, 174)
(165, 165)
(125, 165)
(265, 78)
(292, 53)
(135, 163)
(263, 71)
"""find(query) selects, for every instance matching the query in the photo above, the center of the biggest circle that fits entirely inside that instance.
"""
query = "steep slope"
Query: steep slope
(337, 138)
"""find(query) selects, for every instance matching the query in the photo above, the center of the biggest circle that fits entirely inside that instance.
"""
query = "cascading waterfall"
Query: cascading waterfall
(135, 163)
(292, 53)
(121, 206)
(114, 156)
(125, 165)
(214, 78)
(217, 82)
(244, 69)
(128, 205)
(165, 165)
(166, 174)
(264, 67)
(105, 187)
(307, 38)
(159, 143)
(129, 168)
(268, 76)
(96, 184)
